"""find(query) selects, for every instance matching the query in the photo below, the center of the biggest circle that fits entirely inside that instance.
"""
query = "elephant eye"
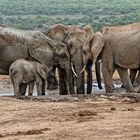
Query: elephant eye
(70, 45)
(84, 51)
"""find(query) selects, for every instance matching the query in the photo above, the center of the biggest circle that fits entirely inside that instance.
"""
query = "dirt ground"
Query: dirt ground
(54, 117)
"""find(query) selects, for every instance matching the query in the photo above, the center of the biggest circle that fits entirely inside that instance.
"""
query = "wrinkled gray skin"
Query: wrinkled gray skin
(23, 73)
(75, 37)
(30, 45)
(121, 51)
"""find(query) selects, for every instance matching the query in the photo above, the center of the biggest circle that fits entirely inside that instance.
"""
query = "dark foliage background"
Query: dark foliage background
(32, 14)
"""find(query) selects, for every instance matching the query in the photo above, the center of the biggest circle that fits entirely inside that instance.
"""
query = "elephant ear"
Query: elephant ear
(89, 32)
(41, 70)
(97, 44)
(41, 50)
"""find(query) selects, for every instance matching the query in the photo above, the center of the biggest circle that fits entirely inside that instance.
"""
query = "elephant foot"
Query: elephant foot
(138, 90)
(108, 89)
(80, 93)
(135, 84)
(17, 96)
(52, 87)
(63, 93)
(130, 90)
(122, 86)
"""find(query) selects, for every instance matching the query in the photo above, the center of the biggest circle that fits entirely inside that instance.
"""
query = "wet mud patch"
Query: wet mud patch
(28, 132)
(83, 113)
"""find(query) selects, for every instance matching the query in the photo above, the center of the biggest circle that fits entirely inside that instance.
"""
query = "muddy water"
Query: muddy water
(6, 89)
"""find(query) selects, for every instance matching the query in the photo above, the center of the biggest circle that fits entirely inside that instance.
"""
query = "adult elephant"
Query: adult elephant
(31, 45)
(75, 37)
(121, 51)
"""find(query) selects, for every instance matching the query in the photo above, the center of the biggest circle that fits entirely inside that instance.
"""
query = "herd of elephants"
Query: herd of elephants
(32, 57)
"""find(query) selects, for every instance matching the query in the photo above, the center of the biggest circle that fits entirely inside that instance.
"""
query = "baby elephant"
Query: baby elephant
(23, 72)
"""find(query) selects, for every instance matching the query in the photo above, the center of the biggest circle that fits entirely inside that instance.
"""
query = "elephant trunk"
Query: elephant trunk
(89, 78)
(77, 61)
(62, 84)
(71, 82)
(98, 74)
(79, 78)
(66, 85)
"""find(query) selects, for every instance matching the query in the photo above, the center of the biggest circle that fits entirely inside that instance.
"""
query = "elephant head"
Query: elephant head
(49, 52)
(75, 37)
(92, 50)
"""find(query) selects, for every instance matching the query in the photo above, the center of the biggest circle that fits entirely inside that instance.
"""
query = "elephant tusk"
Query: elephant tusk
(83, 69)
(73, 70)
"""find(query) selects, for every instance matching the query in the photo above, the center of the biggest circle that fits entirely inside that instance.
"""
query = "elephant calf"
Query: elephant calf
(23, 72)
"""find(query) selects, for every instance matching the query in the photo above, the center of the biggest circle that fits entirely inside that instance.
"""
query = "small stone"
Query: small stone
(131, 109)
(87, 113)
(113, 108)
(112, 98)
(133, 100)
(103, 96)
(126, 99)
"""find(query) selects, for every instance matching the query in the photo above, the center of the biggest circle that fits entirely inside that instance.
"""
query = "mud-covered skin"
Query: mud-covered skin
(121, 51)
(31, 45)
(23, 73)
(75, 37)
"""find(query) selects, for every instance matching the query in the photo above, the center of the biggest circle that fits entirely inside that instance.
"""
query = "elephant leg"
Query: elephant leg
(138, 79)
(133, 73)
(43, 86)
(22, 89)
(38, 80)
(107, 76)
(31, 88)
(125, 79)
(16, 89)
(132, 76)
(89, 79)
(62, 84)
(16, 81)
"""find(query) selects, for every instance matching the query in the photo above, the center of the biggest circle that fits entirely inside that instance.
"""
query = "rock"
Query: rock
(131, 109)
(126, 99)
(113, 98)
(113, 108)
(87, 113)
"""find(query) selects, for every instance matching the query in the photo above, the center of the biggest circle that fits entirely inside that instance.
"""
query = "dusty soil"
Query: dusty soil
(54, 117)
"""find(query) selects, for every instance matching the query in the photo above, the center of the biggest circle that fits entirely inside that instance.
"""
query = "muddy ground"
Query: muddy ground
(54, 117)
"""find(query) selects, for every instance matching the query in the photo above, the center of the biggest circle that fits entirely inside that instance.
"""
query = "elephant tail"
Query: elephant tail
(98, 74)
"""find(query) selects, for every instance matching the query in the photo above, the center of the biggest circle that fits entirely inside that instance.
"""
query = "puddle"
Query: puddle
(7, 89)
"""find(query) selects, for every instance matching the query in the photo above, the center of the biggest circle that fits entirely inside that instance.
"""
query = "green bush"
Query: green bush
(31, 14)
